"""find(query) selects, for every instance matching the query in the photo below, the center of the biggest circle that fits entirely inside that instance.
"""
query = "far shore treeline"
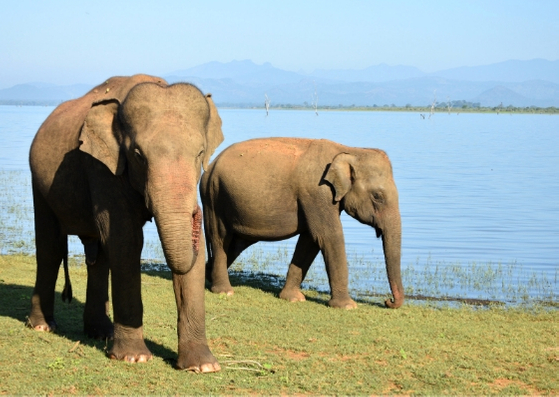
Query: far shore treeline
(455, 107)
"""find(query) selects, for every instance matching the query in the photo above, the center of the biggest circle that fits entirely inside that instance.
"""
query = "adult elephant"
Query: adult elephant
(273, 189)
(102, 165)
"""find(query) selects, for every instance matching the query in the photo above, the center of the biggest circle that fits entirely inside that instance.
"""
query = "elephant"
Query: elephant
(271, 189)
(128, 151)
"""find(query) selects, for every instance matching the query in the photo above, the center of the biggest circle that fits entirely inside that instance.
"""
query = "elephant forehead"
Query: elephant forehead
(147, 121)
(172, 141)
(180, 95)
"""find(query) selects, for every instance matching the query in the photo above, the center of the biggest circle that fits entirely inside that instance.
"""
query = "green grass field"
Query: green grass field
(269, 346)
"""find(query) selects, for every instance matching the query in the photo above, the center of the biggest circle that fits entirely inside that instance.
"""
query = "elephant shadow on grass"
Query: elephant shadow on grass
(270, 283)
(265, 282)
(273, 284)
(15, 303)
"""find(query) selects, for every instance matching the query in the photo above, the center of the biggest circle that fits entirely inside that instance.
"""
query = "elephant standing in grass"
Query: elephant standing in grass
(273, 189)
(102, 165)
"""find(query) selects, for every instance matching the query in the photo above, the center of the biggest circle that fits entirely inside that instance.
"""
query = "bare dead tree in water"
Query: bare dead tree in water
(267, 103)
(448, 104)
(315, 100)
(433, 104)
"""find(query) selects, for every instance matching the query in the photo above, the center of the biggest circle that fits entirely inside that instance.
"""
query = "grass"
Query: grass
(268, 346)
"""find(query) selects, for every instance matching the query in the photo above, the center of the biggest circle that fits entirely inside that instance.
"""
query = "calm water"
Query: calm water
(479, 196)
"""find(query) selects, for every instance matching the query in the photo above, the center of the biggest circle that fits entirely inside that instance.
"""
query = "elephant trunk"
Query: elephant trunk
(178, 218)
(392, 244)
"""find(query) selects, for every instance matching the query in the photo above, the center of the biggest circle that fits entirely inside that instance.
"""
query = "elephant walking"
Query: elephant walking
(102, 165)
(273, 189)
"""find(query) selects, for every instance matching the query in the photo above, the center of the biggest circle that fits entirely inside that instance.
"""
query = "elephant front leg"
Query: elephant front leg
(97, 323)
(194, 353)
(306, 251)
(128, 342)
(51, 248)
(335, 259)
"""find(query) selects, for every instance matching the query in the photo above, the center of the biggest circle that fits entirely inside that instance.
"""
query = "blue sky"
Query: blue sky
(67, 42)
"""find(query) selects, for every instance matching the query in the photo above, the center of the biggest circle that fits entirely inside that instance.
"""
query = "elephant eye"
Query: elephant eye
(378, 197)
(138, 155)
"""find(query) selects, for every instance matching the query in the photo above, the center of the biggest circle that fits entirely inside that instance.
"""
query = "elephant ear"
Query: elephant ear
(341, 174)
(214, 135)
(100, 136)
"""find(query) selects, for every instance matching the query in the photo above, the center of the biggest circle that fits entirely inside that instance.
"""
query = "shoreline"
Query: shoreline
(426, 111)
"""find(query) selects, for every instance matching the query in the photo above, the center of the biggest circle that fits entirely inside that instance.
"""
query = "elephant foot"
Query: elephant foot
(217, 289)
(99, 330)
(42, 325)
(132, 358)
(136, 352)
(197, 358)
(346, 303)
(292, 295)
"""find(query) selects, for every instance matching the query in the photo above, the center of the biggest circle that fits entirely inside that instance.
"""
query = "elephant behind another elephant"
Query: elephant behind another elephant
(102, 165)
(273, 189)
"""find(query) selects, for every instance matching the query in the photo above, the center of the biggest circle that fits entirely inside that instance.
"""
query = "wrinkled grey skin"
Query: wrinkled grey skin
(273, 189)
(102, 165)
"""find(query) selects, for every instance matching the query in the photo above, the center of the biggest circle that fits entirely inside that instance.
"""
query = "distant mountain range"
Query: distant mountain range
(244, 83)
(41, 92)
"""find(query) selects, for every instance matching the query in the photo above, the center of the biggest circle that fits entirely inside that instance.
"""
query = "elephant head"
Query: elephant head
(364, 185)
(159, 136)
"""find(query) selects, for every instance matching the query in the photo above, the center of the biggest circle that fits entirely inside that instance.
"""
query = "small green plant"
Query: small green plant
(57, 364)
(403, 354)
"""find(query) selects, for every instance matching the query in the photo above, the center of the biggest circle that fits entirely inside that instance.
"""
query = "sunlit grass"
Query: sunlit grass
(268, 346)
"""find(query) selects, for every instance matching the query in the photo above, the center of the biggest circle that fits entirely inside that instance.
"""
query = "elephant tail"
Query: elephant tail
(67, 291)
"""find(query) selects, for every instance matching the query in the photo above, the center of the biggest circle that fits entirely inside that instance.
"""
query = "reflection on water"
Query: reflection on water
(478, 198)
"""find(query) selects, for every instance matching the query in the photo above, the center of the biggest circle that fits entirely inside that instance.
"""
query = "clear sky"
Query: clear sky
(85, 41)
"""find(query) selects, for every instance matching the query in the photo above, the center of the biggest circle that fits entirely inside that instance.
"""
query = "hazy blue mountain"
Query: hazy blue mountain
(245, 82)
(500, 95)
(417, 92)
(511, 71)
(517, 83)
(528, 93)
(43, 92)
(538, 90)
(244, 72)
(373, 74)
(248, 72)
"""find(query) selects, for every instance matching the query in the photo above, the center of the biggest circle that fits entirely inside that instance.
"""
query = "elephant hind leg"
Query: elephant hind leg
(91, 249)
(224, 253)
(236, 248)
(97, 323)
(51, 249)
(306, 251)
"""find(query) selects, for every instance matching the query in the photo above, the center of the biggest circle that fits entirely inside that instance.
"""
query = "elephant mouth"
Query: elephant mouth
(375, 225)
(196, 229)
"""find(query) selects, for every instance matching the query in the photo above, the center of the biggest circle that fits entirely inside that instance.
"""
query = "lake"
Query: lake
(479, 198)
